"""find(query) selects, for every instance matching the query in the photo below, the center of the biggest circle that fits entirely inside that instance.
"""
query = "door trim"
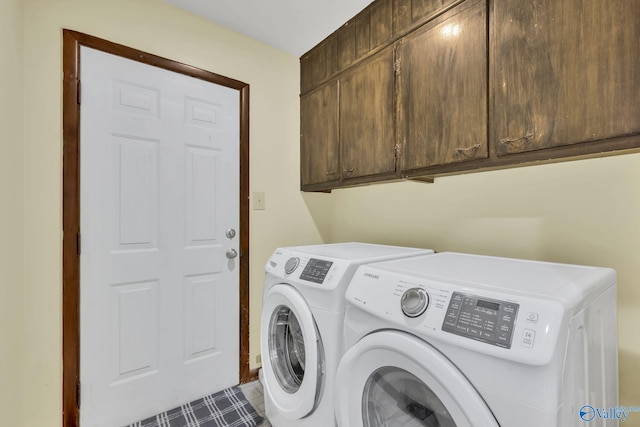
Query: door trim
(72, 41)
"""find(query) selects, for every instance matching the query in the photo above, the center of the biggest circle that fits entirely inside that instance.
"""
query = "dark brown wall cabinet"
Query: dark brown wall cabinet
(409, 14)
(367, 118)
(443, 89)
(319, 146)
(347, 124)
(422, 88)
(565, 72)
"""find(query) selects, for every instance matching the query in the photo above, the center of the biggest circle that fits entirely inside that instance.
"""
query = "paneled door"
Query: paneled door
(443, 89)
(159, 284)
(564, 72)
(367, 118)
(319, 145)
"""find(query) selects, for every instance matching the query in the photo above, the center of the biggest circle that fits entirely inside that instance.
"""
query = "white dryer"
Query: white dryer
(465, 340)
(302, 321)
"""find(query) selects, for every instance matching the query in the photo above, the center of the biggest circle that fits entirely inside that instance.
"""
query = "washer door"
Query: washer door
(293, 362)
(391, 378)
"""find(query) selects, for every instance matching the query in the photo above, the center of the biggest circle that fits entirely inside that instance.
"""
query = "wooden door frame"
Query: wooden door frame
(72, 41)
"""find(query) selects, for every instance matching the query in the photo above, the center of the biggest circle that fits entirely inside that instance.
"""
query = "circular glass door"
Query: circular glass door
(293, 374)
(395, 397)
(392, 378)
(286, 349)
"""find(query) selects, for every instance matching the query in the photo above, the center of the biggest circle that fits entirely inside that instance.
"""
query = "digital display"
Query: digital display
(316, 270)
(488, 304)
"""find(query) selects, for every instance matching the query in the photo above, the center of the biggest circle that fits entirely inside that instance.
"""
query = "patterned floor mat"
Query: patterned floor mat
(227, 408)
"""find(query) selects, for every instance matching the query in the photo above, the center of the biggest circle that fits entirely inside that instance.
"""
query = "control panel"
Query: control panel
(316, 270)
(505, 323)
(482, 319)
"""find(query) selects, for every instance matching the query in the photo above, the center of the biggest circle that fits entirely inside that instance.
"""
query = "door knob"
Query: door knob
(231, 253)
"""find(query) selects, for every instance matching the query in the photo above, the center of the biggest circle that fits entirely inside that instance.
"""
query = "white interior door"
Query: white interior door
(159, 174)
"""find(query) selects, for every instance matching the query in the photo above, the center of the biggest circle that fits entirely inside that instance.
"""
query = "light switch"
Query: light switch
(258, 201)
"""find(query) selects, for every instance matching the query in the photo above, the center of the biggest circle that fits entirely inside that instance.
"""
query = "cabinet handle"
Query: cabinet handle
(517, 140)
(332, 173)
(465, 151)
(348, 172)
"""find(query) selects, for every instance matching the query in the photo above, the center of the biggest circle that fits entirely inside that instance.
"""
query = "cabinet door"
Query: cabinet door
(411, 13)
(565, 72)
(319, 135)
(443, 89)
(318, 64)
(367, 117)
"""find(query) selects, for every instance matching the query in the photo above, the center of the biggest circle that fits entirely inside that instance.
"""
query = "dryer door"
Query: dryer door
(392, 378)
(292, 352)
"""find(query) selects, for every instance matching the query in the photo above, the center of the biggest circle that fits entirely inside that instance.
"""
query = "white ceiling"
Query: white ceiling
(294, 26)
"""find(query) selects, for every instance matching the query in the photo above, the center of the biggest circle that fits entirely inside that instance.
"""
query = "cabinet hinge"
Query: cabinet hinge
(78, 394)
(78, 244)
(78, 95)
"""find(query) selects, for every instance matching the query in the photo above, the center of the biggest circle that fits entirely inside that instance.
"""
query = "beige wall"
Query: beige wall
(583, 212)
(11, 195)
(159, 28)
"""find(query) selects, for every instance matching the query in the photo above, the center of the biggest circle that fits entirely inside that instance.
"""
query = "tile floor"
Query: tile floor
(255, 395)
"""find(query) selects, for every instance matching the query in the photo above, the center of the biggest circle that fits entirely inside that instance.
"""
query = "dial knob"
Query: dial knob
(414, 302)
(291, 265)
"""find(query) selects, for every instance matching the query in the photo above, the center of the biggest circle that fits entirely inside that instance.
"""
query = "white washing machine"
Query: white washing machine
(302, 321)
(465, 340)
